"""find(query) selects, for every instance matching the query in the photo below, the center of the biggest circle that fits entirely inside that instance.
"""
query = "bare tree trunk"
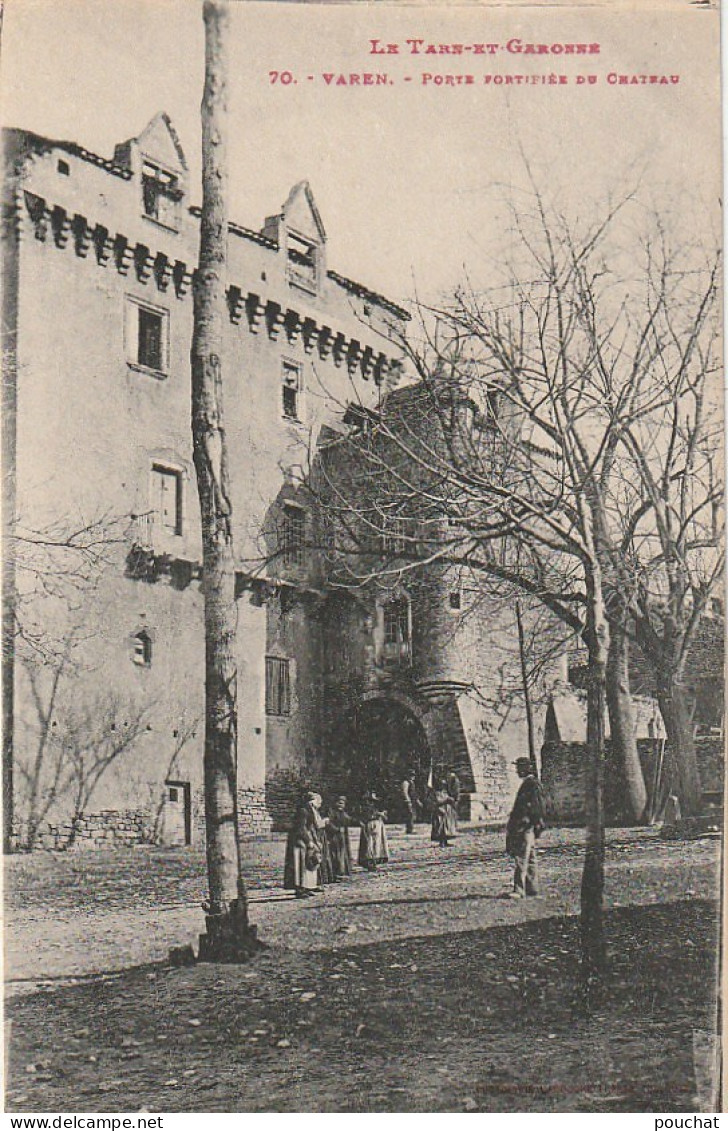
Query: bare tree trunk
(229, 936)
(682, 765)
(622, 724)
(526, 688)
(593, 944)
(662, 651)
(9, 505)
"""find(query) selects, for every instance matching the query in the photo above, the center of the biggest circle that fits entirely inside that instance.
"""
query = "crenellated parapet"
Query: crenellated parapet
(52, 223)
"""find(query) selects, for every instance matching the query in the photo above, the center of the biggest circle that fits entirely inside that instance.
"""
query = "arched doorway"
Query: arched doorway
(389, 742)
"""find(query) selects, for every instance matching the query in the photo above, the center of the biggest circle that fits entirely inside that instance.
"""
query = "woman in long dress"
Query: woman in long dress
(302, 868)
(373, 847)
(320, 827)
(442, 806)
(338, 837)
(453, 789)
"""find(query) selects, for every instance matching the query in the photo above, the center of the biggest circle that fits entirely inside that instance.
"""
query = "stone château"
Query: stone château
(104, 660)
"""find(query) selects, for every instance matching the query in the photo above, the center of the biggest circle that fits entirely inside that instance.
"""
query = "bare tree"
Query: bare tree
(229, 934)
(57, 567)
(508, 453)
(96, 735)
(668, 556)
(76, 739)
(43, 777)
(53, 571)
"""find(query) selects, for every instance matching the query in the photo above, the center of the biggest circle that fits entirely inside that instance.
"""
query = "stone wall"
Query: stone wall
(253, 814)
(562, 777)
(92, 425)
(282, 791)
(107, 829)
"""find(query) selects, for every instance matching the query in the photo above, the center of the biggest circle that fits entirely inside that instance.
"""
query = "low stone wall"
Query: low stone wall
(562, 777)
(110, 828)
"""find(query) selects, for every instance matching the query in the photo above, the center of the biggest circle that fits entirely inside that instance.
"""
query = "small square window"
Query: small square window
(142, 649)
(64, 168)
(291, 390)
(455, 599)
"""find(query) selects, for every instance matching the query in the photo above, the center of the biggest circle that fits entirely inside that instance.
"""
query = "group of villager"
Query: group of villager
(318, 851)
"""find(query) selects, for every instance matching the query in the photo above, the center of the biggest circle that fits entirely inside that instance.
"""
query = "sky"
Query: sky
(410, 177)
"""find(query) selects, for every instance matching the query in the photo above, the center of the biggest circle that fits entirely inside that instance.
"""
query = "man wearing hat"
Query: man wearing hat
(525, 824)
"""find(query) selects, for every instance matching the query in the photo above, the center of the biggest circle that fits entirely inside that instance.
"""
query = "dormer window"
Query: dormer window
(160, 195)
(298, 232)
(302, 264)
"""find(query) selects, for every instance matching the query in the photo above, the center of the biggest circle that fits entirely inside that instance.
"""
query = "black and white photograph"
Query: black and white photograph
(362, 558)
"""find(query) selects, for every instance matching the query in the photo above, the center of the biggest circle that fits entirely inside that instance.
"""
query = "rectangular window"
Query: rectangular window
(291, 384)
(150, 339)
(167, 498)
(277, 686)
(142, 653)
(396, 622)
(293, 535)
(397, 645)
(147, 336)
(160, 194)
(394, 536)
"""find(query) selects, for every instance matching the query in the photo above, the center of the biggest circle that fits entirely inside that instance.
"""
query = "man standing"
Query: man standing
(525, 824)
(408, 797)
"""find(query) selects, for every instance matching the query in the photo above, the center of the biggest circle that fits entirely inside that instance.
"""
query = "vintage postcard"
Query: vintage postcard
(363, 591)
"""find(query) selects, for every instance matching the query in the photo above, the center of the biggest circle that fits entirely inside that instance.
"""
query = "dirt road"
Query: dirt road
(418, 989)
